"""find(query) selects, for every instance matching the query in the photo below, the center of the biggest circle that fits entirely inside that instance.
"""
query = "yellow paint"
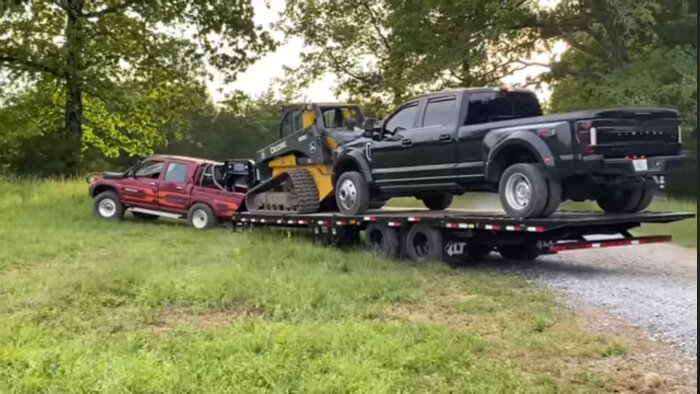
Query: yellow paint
(322, 174)
(330, 141)
(307, 119)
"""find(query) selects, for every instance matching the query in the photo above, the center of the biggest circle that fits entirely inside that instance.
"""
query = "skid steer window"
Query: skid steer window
(291, 123)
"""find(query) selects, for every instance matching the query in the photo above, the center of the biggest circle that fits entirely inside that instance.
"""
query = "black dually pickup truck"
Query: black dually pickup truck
(496, 139)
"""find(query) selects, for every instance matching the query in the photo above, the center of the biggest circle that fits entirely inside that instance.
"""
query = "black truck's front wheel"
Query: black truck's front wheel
(352, 193)
(523, 191)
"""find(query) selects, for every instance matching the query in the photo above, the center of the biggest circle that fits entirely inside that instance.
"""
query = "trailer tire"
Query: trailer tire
(352, 193)
(437, 202)
(523, 191)
(201, 217)
(107, 205)
(423, 243)
(383, 240)
(620, 200)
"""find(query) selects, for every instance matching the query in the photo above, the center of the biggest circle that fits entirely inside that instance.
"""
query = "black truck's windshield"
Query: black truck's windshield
(494, 106)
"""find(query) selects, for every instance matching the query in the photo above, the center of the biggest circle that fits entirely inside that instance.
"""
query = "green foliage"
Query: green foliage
(382, 52)
(91, 305)
(122, 74)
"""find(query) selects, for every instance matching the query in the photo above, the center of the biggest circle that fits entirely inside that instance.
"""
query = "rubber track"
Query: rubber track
(304, 186)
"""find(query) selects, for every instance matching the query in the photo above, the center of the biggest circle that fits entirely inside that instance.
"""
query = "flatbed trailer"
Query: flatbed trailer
(460, 236)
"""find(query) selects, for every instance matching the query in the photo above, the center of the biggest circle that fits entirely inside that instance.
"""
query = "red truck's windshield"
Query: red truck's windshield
(495, 106)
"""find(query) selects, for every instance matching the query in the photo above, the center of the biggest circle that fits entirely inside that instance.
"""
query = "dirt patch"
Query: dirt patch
(14, 272)
(649, 366)
(174, 318)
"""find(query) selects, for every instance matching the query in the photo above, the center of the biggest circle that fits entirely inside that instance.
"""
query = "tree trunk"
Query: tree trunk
(74, 99)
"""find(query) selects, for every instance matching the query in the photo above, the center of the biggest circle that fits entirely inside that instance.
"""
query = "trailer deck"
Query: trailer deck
(461, 235)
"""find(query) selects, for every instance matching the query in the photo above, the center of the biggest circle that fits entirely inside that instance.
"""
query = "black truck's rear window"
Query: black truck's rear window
(494, 106)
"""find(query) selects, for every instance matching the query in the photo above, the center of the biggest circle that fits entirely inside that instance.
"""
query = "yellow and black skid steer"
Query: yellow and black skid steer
(294, 174)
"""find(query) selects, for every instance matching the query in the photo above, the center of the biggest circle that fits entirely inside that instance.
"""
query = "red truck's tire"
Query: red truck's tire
(107, 205)
(523, 191)
(201, 216)
(352, 193)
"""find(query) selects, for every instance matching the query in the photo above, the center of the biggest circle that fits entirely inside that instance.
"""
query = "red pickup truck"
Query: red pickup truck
(167, 186)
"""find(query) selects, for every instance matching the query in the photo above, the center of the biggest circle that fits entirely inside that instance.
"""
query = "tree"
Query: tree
(123, 68)
(382, 52)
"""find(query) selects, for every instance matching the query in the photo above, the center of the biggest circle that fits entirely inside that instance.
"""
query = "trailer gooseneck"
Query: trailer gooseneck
(457, 237)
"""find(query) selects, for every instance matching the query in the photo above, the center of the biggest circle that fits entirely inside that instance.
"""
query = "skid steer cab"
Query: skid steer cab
(294, 174)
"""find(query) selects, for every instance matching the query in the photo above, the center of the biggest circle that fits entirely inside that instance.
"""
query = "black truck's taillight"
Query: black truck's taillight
(587, 136)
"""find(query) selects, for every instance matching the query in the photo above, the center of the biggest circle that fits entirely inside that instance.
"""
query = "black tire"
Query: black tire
(553, 199)
(644, 201)
(423, 243)
(521, 253)
(107, 205)
(352, 193)
(620, 200)
(201, 217)
(145, 216)
(437, 202)
(475, 253)
(525, 174)
(383, 240)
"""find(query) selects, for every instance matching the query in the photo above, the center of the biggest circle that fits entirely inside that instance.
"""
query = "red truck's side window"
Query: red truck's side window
(177, 172)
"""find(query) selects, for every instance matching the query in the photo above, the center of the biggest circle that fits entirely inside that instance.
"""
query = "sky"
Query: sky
(258, 77)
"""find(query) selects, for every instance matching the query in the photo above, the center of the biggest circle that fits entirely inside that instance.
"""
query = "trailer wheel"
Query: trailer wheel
(523, 191)
(107, 206)
(521, 253)
(475, 252)
(201, 217)
(423, 243)
(383, 240)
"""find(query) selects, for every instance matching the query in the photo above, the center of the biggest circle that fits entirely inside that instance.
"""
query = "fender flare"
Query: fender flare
(497, 141)
(357, 159)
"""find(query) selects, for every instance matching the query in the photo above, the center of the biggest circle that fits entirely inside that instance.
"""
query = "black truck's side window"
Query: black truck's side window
(404, 118)
(439, 112)
(494, 106)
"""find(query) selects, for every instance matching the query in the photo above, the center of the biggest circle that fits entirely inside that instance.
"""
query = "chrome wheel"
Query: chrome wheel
(200, 219)
(518, 191)
(347, 194)
(107, 208)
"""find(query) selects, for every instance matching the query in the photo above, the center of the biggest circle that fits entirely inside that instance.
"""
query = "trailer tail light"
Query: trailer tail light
(588, 137)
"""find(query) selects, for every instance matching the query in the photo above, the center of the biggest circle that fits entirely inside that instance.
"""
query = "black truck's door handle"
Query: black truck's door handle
(445, 138)
(406, 142)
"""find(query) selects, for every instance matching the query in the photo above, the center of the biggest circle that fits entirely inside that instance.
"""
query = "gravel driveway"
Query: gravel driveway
(654, 286)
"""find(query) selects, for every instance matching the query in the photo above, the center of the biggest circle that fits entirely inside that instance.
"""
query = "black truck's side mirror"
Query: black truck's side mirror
(370, 126)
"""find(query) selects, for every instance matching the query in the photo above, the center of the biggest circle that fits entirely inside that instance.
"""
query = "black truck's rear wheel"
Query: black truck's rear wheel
(523, 191)
(437, 202)
(352, 193)
(644, 201)
(620, 200)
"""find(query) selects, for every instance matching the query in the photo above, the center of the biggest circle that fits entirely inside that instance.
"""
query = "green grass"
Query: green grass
(93, 305)
(684, 232)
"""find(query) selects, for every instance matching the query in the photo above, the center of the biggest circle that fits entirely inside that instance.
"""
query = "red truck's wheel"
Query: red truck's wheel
(201, 217)
(107, 206)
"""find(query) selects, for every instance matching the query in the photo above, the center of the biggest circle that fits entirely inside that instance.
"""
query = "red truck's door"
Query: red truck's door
(176, 186)
(141, 188)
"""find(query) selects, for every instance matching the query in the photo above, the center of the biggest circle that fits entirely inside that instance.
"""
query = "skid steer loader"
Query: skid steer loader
(294, 174)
